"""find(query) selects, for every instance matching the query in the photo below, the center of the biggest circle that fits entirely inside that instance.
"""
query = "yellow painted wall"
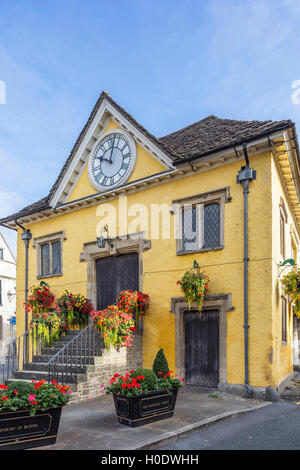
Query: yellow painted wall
(281, 353)
(162, 268)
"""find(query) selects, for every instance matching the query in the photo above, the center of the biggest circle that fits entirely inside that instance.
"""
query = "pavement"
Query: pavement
(92, 424)
(274, 427)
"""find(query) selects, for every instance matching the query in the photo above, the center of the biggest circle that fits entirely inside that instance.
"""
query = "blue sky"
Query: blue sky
(167, 62)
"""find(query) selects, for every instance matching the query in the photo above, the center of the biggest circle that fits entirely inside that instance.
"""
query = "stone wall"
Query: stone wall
(105, 367)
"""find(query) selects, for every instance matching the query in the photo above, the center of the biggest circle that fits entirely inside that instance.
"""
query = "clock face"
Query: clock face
(113, 161)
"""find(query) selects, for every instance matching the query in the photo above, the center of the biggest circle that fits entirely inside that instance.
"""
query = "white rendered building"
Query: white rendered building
(7, 296)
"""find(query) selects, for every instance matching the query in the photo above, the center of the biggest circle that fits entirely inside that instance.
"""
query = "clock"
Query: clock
(112, 161)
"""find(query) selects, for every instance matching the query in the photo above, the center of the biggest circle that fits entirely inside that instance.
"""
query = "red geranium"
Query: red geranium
(133, 302)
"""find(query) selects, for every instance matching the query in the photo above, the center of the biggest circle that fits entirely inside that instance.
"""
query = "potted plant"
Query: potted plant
(40, 299)
(115, 325)
(75, 308)
(291, 285)
(142, 397)
(30, 413)
(134, 302)
(49, 325)
(194, 285)
(160, 364)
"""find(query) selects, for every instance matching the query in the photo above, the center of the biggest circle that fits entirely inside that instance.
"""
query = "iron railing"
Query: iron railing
(75, 356)
(22, 350)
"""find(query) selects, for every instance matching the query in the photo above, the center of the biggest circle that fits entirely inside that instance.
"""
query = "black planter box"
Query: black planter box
(19, 430)
(145, 408)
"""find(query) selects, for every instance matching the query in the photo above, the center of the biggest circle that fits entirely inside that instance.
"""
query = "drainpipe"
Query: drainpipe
(244, 177)
(26, 236)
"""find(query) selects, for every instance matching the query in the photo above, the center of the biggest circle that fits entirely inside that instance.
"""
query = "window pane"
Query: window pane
(190, 228)
(282, 237)
(284, 319)
(56, 258)
(45, 259)
(211, 233)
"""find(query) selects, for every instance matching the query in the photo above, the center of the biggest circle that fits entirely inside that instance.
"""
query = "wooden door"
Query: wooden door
(114, 274)
(202, 348)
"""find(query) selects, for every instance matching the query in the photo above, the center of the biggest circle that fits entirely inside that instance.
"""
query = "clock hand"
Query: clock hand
(112, 150)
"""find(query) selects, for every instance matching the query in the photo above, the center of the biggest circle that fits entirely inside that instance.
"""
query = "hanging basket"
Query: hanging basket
(194, 285)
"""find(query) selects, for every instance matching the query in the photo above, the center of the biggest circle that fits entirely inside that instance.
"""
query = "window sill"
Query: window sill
(49, 275)
(216, 248)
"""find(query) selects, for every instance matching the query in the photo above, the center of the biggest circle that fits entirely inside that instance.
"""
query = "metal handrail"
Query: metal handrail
(21, 350)
(70, 360)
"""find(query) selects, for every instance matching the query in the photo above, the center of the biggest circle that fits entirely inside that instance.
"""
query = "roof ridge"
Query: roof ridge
(189, 125)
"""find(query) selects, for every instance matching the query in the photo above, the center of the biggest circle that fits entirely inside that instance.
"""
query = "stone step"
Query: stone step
(44, 367)
(82, 351)
(72, 332)
(39, 375)
(46, 358)
(64, 342)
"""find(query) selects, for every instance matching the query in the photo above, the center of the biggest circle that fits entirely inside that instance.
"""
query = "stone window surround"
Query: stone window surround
(220, 302)
(49, 238)
(133, 243)
(220, 196)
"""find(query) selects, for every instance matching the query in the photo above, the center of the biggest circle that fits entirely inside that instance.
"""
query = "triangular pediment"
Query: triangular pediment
(152, 156)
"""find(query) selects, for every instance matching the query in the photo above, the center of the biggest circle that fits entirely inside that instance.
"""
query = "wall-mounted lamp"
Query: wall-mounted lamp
(287, 263)
(102, 241)
(10, 295)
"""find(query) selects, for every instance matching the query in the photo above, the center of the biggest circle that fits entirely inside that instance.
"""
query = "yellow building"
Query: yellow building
(167, 202)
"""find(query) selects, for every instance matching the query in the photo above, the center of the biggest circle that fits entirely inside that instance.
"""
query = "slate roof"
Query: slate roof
(199, 139)
(212, 134)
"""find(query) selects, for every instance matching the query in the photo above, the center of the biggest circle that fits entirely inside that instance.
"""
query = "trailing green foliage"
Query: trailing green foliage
(194, 285)
(291, 285)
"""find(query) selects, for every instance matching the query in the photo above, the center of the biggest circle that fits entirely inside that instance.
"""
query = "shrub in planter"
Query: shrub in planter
(30, 413)
(35, 396)
(146, 378)
(160, 364)
(141, 397)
